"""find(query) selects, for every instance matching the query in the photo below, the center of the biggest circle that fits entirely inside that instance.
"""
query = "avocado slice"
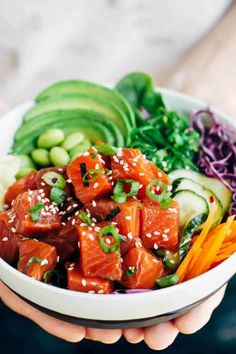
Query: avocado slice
(92, 90)
(95, 130)
(85, 102)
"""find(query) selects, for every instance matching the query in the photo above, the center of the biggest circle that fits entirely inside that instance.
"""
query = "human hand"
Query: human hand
(156, 337)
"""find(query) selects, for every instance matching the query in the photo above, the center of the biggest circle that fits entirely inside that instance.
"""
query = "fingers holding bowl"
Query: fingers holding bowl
(58, 328)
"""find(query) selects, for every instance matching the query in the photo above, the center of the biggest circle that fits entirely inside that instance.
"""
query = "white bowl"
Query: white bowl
(122, 310)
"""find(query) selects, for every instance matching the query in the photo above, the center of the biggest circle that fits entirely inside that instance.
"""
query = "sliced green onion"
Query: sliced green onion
(106, 149)
(93, 155)
(85, 218)
(57, 195)
(32, 260)
(50, 274)
(131, 271)
(34, 212)
(168, 280)
(163, 198)
(54, 179)
(108, 231)
(119, 196)
(92, 175)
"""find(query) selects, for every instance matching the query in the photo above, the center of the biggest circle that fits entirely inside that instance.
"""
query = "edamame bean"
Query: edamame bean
(24, 171)
(25, 161)
(50, 138)
(41, 157)
(78, 149)
(59, 156)
(72, 140)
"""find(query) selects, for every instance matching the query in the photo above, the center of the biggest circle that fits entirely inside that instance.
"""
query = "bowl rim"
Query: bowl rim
(152, 292)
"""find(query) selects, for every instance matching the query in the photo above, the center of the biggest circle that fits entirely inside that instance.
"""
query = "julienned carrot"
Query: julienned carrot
(210, 250)
(194, 251)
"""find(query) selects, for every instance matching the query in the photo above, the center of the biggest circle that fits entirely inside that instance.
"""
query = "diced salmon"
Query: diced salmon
(126, 215)
(36, 258)
(20, 186)
(94, 262)
(96, 187)
(131, 164)
(49, 218)
(42, 185)
(9, 240)
(159, 227)
(141, 269)
(78, 282)
(65, 240)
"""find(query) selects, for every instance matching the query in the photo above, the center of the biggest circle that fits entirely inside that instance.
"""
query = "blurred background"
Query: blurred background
(187, 45)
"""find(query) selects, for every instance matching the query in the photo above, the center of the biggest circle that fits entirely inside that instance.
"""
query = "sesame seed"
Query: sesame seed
(129, 235)
(108, 241)
(44, 262)
(94, 203)
(97, 228)
(159, 174)
(91, 292)
(69, 208)
(60, 169)
(101, 291)
(29, 199)
(95, 185)
(155, 246)
(13, 230)
(58, 259)
(165, 236)
(91, 237)
(69, 181)
(75, 205)
(171, 261)
(121, 260)
(77, 213)
(78, 244)
(141, 174)
(114, 223)
(94, 219)
(134, 164)
(83, 233)
(166, 230)
(157, 233)
(5, 239)
(84, 282)
(86, 153)
(97, 166)
(63, 224)
(128, 217)
(149, 235)
(155, 260)
(73, 222)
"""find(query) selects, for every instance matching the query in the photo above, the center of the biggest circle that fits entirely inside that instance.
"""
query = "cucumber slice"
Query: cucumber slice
(222, 193)
(207, 194)
(193, 213)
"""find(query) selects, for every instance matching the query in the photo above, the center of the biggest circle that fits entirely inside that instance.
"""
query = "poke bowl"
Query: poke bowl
(116, 225)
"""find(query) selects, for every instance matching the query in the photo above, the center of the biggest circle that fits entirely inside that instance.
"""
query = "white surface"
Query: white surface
(115, 307)
(46, 41)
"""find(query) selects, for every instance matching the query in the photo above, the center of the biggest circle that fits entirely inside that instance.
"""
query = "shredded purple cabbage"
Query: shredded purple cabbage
(217, 156)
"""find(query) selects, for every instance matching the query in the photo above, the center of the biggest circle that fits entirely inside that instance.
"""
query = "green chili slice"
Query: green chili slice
(163, 198)
(168, 280)
(32, 260)
(54, 179)
(108, 231)
(34, 212)
(131, 271)
(119, 196)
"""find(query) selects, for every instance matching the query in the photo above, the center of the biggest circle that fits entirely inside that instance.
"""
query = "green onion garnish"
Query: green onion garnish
(34, 212)
(108, 231)
(57, 195)
(163, 198)
(131, 271)
(168, 280)
(83, 171)
(54, 179)
(85, 218)
(92, 175)
(106, 149)
(119, 196)
(32, 260)
(50, 274)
